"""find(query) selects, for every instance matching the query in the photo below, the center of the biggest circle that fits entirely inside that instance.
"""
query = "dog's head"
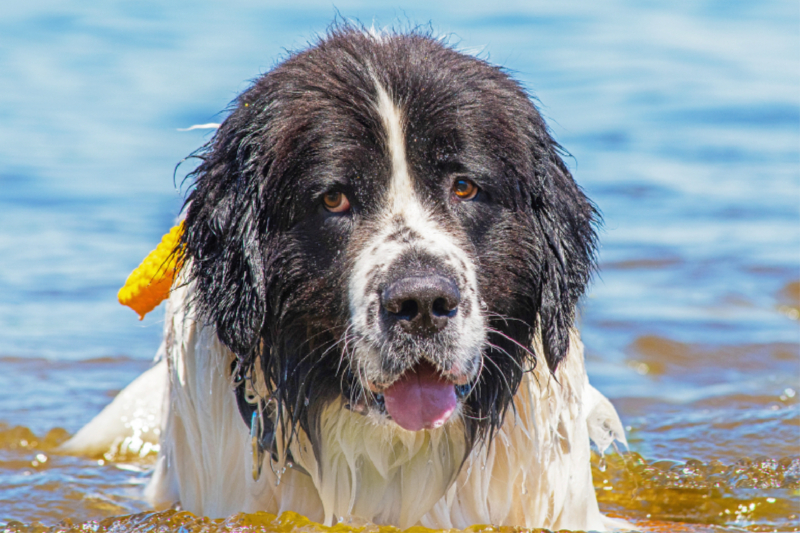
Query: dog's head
(385, 219)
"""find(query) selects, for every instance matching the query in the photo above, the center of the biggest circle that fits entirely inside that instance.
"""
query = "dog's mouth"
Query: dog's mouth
(421, 398)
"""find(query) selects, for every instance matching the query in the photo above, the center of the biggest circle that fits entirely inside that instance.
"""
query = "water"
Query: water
(684, 122)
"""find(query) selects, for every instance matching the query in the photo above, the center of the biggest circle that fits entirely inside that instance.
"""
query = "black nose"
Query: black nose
(421, 304)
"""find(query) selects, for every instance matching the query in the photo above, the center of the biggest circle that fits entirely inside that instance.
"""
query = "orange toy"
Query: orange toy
(149, 284)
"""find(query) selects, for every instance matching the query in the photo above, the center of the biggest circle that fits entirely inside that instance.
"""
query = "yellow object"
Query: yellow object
(149, 284)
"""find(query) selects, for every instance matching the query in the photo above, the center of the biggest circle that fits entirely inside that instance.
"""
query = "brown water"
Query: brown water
(684, 122)
(73, 494)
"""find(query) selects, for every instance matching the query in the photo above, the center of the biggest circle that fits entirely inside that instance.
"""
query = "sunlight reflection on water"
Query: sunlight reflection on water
(683, 120)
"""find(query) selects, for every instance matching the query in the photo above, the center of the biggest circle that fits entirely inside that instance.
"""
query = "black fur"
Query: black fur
(270, 265)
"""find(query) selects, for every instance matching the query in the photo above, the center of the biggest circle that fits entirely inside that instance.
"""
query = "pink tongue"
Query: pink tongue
(420, 399)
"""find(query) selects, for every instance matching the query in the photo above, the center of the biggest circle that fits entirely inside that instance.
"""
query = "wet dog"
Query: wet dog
(383, 254)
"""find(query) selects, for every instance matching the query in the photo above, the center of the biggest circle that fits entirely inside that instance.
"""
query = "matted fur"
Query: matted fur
(312, 304)
(535, 473)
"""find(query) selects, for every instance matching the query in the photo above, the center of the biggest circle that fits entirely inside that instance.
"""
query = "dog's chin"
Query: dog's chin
(420, 398)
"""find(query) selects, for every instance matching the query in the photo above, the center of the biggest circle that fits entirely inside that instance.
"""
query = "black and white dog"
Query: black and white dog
(383, 254)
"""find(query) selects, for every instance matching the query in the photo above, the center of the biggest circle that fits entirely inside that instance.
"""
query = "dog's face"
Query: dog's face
(387, 220)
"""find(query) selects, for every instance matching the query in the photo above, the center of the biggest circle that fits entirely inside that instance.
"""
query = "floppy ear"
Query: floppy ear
(223, 238)
(565, 217)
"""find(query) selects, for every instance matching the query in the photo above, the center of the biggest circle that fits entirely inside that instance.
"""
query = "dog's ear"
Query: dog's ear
(565, 218)
(224, 238)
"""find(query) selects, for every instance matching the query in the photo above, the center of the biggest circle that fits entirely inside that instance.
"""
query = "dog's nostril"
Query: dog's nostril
(442, 308)
(408, 310)
(421, 304)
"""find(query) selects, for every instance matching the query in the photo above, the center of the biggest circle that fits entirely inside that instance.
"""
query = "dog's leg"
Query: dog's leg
(603, 421)
(130, 424)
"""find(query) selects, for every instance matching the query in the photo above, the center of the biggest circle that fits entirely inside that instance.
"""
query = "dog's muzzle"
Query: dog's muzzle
(417, 329)
(420, 306)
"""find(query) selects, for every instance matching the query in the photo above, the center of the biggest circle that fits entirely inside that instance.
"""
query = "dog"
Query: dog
(383, 252)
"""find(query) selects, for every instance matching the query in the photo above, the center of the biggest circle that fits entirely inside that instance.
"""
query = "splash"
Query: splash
(759, 494)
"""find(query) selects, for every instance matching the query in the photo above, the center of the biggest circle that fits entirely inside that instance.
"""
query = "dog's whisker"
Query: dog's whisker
(506, 319)
(477, 381)
(345, 340)
(502, 375)
(514, 341)
(510, 357)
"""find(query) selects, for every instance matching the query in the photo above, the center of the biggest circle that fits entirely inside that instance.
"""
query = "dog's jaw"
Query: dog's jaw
(405, 236)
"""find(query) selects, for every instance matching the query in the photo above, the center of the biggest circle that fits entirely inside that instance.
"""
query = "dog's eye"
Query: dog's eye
(335, 202)
(464, 189)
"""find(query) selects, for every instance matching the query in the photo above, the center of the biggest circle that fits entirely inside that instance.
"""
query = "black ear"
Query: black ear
(566, 218)
(223, 239)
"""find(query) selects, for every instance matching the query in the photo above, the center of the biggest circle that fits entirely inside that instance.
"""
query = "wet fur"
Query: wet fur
(265, 291)
(252, 216)
(535, 473)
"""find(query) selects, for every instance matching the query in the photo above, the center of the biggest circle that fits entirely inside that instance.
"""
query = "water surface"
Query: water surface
(683, 120)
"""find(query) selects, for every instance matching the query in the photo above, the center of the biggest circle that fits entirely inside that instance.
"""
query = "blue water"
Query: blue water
(682, 118)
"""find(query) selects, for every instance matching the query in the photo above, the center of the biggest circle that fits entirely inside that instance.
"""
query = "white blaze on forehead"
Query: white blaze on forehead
(401, 189)
(403, 211)
(406, 224)
(402, 204)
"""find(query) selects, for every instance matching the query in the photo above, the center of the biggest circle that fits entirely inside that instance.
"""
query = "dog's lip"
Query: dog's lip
(462, 383)
(453, 376)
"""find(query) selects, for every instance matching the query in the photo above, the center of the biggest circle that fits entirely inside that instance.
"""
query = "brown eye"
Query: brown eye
(465, 189)
(335, 202)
